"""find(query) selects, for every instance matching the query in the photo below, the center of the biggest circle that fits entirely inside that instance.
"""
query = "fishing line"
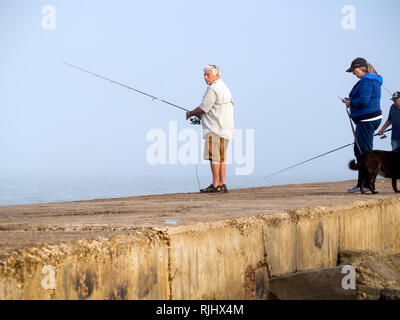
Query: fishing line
(391, 94)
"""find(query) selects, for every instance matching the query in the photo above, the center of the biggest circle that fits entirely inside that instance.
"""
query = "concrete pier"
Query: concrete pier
(225, 246)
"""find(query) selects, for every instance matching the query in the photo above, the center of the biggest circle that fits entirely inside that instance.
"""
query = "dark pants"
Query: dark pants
(365, 137)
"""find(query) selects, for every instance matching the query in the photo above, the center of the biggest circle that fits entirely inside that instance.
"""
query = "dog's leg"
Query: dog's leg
(363, 175)
(372, 179)
(394, 185)
(362, 186)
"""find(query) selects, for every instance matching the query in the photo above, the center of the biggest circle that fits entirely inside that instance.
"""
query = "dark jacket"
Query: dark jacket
(365, 98)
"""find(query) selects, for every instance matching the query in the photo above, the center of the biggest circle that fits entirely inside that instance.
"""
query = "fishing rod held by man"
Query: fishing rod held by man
(216, 112)
(193, 120)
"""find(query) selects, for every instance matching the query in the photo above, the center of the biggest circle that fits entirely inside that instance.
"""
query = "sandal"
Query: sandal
(211, 189)
(223, 188)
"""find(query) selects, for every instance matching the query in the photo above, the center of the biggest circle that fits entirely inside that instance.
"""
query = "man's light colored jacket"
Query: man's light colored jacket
(218, 107)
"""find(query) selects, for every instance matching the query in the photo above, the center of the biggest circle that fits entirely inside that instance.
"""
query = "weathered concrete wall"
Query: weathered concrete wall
(125, 267)
(301, 240)
(308, 239)
(361, 228)
(231, 259)
(223, 260)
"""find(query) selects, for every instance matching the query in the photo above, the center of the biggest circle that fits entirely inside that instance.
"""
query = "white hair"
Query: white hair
(214, 69)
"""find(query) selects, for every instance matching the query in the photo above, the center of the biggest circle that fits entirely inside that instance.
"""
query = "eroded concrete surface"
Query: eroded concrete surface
(26, 225)
(226, 246)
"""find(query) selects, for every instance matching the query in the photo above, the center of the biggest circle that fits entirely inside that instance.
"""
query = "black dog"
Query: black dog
(374, 162)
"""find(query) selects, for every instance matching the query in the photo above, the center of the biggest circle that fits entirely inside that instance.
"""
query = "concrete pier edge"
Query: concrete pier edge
(228, 259)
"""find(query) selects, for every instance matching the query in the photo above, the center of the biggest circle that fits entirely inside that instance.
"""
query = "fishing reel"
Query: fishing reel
(195, 121)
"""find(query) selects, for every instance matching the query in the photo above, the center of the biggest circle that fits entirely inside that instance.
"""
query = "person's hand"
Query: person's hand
(188, 115)
(380, 132)
(347, 102)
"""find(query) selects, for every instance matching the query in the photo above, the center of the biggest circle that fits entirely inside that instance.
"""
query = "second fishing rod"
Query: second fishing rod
(337, 149)
(321, 155)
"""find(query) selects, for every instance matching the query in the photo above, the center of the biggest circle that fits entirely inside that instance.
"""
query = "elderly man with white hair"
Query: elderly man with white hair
(216, 114)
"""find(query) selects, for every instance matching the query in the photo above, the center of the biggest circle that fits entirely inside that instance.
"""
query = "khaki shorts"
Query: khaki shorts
(215, 148)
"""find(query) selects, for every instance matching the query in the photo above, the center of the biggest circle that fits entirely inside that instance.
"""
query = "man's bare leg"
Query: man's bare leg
(215, 169)
(222, 173)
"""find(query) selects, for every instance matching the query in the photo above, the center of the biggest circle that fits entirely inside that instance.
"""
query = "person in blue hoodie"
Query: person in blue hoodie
(365, 110)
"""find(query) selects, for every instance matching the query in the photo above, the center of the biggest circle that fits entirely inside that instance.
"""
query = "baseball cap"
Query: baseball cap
(358, 62)
(396, 95)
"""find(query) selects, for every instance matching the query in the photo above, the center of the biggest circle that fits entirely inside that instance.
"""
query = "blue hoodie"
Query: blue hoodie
(365, 98)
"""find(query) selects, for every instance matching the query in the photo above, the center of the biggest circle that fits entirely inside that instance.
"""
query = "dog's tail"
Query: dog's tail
(353, 165)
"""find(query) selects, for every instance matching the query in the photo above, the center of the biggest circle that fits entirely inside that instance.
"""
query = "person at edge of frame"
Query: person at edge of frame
(394, 120)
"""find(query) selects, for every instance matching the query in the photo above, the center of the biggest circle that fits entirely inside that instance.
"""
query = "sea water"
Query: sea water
(29, 190)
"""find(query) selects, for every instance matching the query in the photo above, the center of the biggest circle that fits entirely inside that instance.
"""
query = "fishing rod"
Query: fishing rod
(347, 145)
(352, 126)
(321, 155)
(194, 120)
(387, 90)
